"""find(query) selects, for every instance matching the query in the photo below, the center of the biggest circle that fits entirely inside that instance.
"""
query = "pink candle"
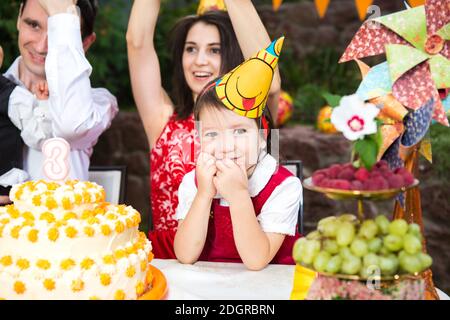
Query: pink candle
(56, 163)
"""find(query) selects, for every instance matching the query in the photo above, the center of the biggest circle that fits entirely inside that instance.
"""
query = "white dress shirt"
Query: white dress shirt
(74, 111)
(280, 212)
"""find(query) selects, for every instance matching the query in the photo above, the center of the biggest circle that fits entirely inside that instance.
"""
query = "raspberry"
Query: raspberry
(382, 164)
(346, 174)
(343, 184)
(356, 185)
(317, 178)
(408, 177)
(334, 170)
(396, 181)
(362, 174)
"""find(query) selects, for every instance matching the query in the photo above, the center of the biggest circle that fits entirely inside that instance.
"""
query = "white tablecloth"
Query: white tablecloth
(225, 281)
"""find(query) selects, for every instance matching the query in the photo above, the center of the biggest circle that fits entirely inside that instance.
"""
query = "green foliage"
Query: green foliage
(308, 79)
(440, 142)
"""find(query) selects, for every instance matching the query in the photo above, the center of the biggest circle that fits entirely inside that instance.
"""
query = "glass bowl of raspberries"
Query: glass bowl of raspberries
(342, 181)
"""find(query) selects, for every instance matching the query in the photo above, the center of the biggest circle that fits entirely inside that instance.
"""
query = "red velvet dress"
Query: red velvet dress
(173, 156)
(220, 246)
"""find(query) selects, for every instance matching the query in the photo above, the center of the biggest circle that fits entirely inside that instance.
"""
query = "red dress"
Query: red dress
(173, 156)
(220, 246)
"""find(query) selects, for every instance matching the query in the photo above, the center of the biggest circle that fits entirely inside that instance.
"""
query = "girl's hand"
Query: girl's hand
(231, 180)
(205, 171)
(40, 89)
(1, 56)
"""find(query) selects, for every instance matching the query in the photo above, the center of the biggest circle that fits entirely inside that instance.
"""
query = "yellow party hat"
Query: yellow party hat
(245, 89)
(210, 5)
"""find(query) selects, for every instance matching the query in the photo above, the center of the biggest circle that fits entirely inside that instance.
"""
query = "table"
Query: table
(226, 281)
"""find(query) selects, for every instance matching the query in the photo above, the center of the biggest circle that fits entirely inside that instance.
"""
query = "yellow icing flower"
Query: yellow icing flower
(89, 231)
(23, 264)
(86, 197)
(87, 263)
(105, 279)
(53, 234)
(71, 232)
(1, 230)
(37, 201)
(137, 219)
(130, 272)
(143, 265)
(67, 264)
(93, 220)
(52, 186)
(78, 198)
(70, 215)
(43, 264)
(4, 221)
(121, 209)
(19, 287)
(48, 216)
(148, 278)
(109, 259)
(120, 227)
(140, 288)
(33, 235)
(6, 261)
(15, 232)
(119, 295)
(111, 216)
(77, 285)
(106, 230)
(119, 254)
(50, 203)
(129, 223)
(67, 204)
(12, 211)
(86, 214)
(49, 284)
(28, 216)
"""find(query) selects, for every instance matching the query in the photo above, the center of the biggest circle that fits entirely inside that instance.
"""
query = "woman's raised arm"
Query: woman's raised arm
(154, 106)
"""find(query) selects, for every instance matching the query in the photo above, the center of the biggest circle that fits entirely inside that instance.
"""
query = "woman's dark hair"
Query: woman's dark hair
(88, 12)
(208, 99)
(230, 53)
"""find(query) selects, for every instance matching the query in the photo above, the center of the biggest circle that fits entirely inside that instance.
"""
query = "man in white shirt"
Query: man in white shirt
(52, 43)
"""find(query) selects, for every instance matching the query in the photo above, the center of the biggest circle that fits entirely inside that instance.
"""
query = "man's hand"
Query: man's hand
(231, 180)
(40, 89)
(205, 171)
(53, 7)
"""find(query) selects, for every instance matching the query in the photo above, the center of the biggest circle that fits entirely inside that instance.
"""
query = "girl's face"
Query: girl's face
(201, 56)
(227, 135)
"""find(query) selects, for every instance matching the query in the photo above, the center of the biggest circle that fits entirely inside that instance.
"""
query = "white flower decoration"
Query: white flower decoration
(354, 118)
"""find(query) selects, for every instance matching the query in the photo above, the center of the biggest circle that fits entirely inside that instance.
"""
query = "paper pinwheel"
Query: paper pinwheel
(417, 47)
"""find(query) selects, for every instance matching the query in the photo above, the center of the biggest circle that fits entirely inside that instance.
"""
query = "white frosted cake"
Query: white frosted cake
(63, 241)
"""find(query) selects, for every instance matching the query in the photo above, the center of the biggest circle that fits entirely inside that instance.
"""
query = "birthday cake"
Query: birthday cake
(63, 241)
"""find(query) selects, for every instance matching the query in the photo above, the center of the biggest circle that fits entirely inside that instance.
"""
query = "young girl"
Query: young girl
(203, 47)
(237, 205)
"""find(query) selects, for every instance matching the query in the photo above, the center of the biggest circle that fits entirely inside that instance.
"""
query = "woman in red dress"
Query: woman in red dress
(203, 47)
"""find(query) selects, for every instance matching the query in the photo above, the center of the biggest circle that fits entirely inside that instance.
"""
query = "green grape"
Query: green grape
(415, 230)
(348, 218)
(368, 229)
(393, 242)
(328, 227)
(388, 265)
(330, 246)
(398, 227)
(310, 250)
(321, 261)
(368, 271)
(371, 259)
(384, 251)
(297, 249)
(382, 223)
(345, 234)
(425, 260)
(410, 263)
(401, 254)
(375, 245)
(315, 235)
(359, 247)
(411, 244)
(351, 265)
(334, 264)
(345, 252)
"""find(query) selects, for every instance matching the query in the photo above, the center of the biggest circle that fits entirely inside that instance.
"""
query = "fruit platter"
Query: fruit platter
(350, 255)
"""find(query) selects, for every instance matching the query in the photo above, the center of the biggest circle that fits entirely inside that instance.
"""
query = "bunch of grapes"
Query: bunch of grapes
(347, 177)
(343, 245)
